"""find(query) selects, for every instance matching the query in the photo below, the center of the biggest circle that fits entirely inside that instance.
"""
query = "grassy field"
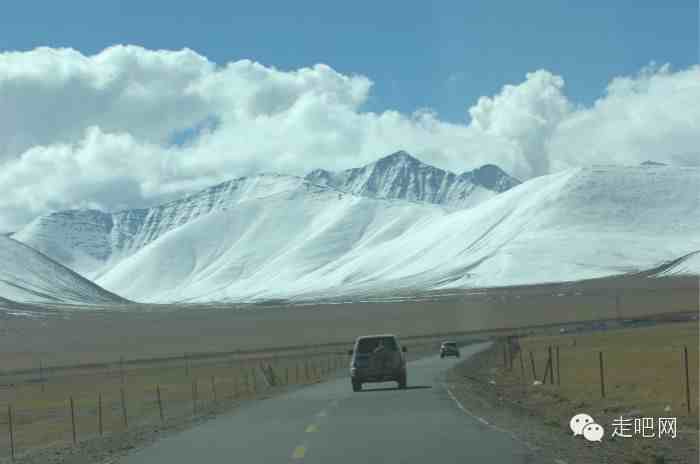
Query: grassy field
(643, 368)
(644, 377)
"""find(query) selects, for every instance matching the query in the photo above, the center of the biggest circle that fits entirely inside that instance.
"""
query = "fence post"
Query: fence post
(532, 363)
(194, 397)
(551, 365)
(121, 369)
(12, 431)
(125, 417)
(187, 365)
(602, 375)
(72, 421)
(160, 404)
(509, 343)
(213, 388)
(41, 375)
(100, 428)
(505, 359)
(687, 379)
(547, 370)
(286, 375)
(522, 366)
(558, 370)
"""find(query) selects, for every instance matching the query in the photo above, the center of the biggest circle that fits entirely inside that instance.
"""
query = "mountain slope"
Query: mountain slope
(266, 247)
(312, 242)
(30, 277)
(90, 241)
(401, 176)
(685, 265)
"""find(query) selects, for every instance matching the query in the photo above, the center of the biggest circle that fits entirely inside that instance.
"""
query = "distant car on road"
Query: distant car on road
(377, 358)
(449, 349)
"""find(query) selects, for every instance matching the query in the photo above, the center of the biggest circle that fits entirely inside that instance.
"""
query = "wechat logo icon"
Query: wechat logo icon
(583, 424)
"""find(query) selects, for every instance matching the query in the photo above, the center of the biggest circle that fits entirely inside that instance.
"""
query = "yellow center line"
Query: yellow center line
(299, 452)
(312, 428)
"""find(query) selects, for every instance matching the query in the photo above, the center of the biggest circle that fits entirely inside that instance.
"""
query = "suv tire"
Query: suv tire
(356, 386)
(402, 382)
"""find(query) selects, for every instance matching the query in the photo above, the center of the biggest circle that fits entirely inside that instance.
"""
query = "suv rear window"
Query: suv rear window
(450, 344)
(368, 345)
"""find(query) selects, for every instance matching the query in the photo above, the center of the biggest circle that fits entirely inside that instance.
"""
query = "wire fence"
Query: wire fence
(655, 370)
(80, 406)
(64, 407)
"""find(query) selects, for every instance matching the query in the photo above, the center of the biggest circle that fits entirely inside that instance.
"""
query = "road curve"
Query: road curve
(329, 423)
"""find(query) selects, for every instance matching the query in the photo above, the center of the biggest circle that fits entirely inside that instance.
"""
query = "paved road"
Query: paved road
(327, 423)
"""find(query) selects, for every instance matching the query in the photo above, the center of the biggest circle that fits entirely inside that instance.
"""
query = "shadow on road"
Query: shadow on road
(410, 387)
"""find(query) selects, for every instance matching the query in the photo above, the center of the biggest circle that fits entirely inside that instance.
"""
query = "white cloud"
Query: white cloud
(96, 130)
(652, 116)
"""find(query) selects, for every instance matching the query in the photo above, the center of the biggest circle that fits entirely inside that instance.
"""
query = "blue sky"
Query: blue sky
(441, 55)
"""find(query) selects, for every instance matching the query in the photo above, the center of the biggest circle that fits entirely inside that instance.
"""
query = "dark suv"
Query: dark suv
(377, 358)
(449, 349)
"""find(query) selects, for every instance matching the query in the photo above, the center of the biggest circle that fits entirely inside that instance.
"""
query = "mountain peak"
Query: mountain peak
(400, 157)
(402, 176)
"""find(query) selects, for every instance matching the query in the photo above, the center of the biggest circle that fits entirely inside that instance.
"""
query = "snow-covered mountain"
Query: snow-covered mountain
(28, 276)
(312, 242)
(272, 236)
(402, 176)
(90, 241)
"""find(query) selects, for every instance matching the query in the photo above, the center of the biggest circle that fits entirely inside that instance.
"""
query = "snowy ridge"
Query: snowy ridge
(686, 265)
(88, 241)
(28, 276)
(315, 243)
(401, 176)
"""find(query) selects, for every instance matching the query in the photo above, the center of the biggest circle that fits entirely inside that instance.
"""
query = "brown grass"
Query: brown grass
(643, 367)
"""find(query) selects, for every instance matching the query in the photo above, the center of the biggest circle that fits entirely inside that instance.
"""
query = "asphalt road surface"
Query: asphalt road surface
(328, 423)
